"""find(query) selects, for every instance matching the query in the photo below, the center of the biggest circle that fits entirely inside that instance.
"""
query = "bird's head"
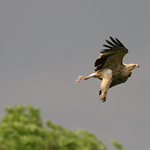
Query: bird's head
(132, 66)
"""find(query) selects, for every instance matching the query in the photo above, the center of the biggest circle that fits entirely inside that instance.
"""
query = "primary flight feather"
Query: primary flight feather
(109, 67)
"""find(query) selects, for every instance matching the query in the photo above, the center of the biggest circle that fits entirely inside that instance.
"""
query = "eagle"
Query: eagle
(109, 68)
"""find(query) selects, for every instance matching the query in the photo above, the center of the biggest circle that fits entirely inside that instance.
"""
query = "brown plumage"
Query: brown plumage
(109, 67)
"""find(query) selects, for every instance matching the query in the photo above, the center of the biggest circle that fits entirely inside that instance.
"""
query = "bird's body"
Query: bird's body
(109, 67)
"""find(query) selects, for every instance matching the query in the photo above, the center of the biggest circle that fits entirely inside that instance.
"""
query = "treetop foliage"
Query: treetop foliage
(22, 129)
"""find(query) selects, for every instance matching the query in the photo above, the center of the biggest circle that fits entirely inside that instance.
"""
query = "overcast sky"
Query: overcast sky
(46, 45)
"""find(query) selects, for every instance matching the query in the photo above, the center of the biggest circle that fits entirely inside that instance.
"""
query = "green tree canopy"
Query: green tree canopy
(22, 129)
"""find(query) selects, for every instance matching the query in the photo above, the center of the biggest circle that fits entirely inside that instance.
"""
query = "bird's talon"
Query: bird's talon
(103, 97)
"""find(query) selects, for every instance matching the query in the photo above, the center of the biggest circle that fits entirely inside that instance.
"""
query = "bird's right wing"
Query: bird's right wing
(111, 56)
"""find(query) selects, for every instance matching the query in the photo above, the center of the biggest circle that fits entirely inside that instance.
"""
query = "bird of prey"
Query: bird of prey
(109, 67)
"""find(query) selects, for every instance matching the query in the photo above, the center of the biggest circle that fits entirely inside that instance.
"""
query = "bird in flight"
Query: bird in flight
(109, 68)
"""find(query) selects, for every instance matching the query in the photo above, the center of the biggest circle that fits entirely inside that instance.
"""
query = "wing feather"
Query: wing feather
(110, 43)
(108, 46)
(112, 56)
(119, 42)
(113, 41)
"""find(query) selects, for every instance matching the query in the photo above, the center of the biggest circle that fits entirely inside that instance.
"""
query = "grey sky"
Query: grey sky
(46, 45)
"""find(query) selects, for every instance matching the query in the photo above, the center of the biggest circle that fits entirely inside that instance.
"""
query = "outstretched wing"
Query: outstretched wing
(112, 56)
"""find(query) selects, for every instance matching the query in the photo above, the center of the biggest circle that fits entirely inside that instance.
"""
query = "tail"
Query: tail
(80, 78)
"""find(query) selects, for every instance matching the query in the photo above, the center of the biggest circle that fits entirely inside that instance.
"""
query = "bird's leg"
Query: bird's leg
(100, 92)
(103, 97)
(106, 81)
(80, 78)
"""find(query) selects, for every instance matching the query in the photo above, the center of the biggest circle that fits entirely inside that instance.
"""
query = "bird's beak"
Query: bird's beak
(138, 66)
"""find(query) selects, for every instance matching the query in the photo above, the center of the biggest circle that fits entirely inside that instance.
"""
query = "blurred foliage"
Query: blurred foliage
(22, 129)
(117, 145)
